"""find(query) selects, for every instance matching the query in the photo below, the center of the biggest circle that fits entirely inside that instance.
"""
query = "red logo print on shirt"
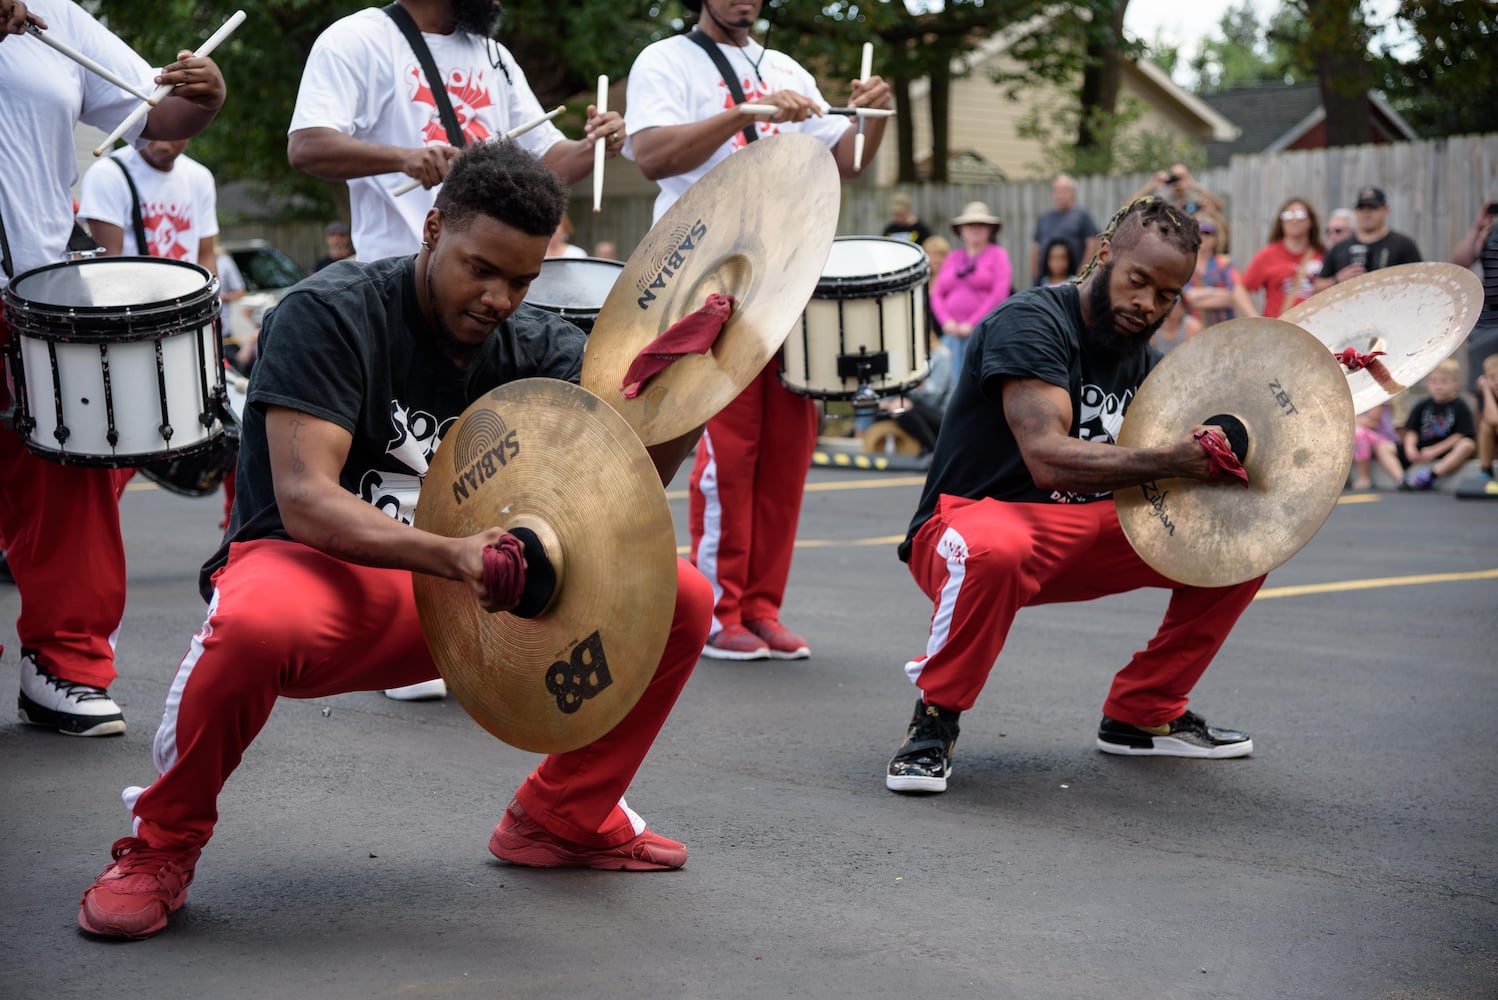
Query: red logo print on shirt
(753, 90)
(168, 227)
(468, 93)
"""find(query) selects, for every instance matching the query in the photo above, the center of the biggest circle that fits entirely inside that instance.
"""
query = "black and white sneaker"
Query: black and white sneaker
(924, 761)
(70, 708)
(1187, 736)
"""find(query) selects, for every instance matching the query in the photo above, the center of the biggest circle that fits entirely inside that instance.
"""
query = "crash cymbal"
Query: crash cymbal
(758, 226)
(1418, 314)
(1284, 398)
(549, 456)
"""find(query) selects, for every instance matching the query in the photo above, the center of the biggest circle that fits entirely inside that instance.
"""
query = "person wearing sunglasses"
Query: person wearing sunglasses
(1339, 225)
(1286, 269)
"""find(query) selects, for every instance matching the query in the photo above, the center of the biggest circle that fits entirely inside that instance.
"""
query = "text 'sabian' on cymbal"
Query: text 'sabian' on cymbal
(1285, 397)
(758, 227)
(551, 457)
(1417, 314)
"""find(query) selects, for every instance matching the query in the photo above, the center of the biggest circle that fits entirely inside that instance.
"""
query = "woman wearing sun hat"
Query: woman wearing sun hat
(974, 279)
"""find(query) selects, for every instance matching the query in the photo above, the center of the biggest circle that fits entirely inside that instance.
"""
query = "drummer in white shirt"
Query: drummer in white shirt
(365, 114)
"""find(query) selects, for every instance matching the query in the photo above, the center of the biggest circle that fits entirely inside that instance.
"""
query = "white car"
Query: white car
(268, 274)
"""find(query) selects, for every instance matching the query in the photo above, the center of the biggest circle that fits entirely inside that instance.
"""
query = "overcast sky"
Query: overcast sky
(1186, 22)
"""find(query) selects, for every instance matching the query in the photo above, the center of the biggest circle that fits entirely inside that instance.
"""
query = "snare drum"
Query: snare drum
(866, 322)
(116, 361)
(574, 288)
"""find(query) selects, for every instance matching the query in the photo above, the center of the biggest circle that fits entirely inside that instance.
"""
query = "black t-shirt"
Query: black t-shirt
(917, 232)
(1433, 422)
(1394, 248)
(1034, 334)
(349, 345)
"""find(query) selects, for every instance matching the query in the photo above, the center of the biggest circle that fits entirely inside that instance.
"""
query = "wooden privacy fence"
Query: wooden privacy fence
(1435, 189)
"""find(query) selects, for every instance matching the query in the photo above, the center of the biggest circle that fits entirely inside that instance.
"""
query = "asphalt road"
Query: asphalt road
(1351, 856)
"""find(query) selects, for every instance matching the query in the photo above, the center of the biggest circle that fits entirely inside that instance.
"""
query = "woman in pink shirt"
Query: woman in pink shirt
(974, 279)
(1284, 269)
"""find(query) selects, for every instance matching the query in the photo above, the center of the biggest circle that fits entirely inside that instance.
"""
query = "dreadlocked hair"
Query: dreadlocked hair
(1130, 223)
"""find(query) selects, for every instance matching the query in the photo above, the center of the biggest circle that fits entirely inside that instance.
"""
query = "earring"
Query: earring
(425, 245)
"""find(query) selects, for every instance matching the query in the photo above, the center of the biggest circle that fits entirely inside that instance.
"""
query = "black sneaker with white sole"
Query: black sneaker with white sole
(1187, 736)
(70, 708)
(924, 761)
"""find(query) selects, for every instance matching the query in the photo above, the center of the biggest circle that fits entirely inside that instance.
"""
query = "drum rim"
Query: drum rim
(143, 321)
(897, 280)
(845, 395)
(558, 263)
(129, 460)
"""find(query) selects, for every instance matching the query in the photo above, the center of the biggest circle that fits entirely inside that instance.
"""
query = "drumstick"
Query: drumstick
(598, 145)
(90, 65)
(863, 76)
(140, 112)
(770, 109)
(518, 130)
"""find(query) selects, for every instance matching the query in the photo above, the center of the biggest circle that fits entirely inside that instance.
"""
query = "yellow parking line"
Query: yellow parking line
(1371, 584)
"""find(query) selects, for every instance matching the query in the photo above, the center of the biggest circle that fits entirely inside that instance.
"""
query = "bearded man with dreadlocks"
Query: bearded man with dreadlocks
(1018, 509)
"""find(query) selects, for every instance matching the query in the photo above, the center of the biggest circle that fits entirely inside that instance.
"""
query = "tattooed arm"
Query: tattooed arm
(306, 455)
(1040, 414)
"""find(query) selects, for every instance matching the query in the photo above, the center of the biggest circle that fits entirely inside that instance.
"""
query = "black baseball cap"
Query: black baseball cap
(1371, 197)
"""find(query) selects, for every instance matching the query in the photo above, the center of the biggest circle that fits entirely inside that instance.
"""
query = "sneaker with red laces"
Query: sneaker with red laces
(784, 644)
(133, 896)
(520, 840)
(735, 642)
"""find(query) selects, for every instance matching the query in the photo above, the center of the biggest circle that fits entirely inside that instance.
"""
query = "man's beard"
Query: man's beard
(1101, 336)
(477, 17)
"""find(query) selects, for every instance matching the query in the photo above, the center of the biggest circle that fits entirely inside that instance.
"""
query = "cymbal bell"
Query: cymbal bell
(1418, 314)
(548, 456)
(758, 227)
(1277, 390)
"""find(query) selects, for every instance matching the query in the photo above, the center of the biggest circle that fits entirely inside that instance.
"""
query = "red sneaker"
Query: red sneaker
(735, 642)
(783, 643)
(133, 896)
(520, 840)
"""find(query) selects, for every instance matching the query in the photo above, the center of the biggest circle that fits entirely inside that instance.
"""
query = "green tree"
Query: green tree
(1334, 37)
(1241, 53)
(1449, 84)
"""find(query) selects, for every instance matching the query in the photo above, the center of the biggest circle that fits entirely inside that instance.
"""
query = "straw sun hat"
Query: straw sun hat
(977, 211)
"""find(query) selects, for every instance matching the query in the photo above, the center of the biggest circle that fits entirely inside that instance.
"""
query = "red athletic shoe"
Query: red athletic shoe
(735, 642)
(520, 840)
(784, 644)
(133, 896)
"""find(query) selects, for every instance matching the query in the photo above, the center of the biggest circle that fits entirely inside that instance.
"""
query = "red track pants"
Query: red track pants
(286, 619)
(746, 497)
(980, 561)
(60, 528)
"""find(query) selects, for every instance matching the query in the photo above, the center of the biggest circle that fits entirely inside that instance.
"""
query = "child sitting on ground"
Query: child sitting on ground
(1438, 436)
(1375, 439)
(1487, 416)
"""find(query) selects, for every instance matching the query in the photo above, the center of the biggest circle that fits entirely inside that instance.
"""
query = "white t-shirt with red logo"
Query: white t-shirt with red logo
(179, 207)
(363, 80)
(674, 82)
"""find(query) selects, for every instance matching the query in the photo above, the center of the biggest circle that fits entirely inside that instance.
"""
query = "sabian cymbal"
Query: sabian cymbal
(552, 457)
(1285, 398)
(1418, 314)
(758, 226)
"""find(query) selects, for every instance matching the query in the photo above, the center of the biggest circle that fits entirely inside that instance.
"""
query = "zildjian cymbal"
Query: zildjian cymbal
(1283, 401)
(1417, 314)
(570, 662)
(758, 226)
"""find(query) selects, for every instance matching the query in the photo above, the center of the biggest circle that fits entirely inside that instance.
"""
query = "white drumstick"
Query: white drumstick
(598, 144)
(90, 65)
(144, 109)
(863, 76)
(518, 130)
(770, 109)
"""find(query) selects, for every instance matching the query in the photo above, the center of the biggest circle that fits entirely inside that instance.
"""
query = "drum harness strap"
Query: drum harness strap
(751, 131)
(142, 246)
(407, 25)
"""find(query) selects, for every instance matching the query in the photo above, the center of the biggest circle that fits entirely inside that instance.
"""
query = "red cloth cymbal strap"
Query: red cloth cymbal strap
(1221, 457)
(1355, 362)
(694, 333)
(504, 571)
